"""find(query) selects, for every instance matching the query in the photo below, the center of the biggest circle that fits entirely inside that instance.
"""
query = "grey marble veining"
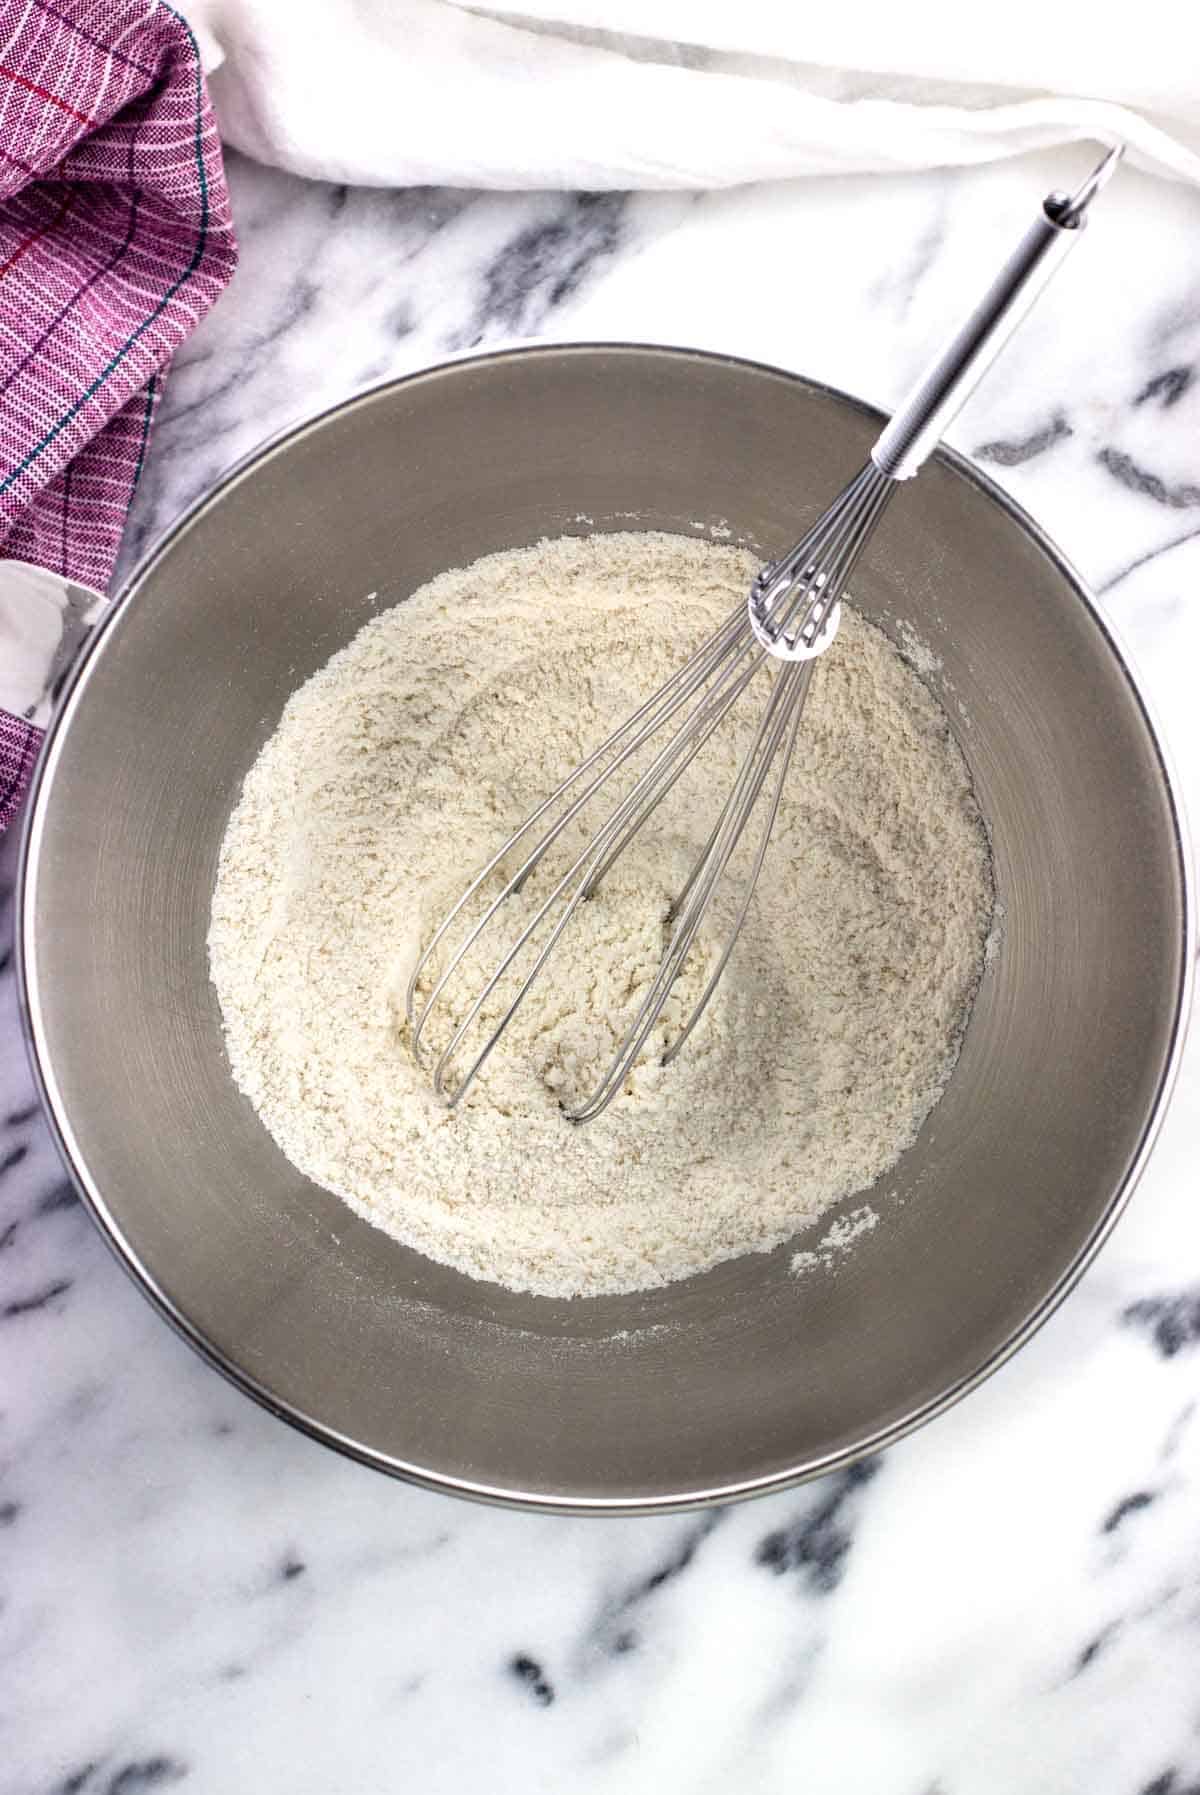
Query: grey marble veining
(193, 1596)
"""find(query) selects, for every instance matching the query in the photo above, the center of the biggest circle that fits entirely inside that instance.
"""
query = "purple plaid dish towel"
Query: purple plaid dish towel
(115, 238)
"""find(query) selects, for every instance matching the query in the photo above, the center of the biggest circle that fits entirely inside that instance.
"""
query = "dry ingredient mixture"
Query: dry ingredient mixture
(398, 769)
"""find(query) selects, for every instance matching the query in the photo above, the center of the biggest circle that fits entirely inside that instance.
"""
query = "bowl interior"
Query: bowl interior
(745, 1375)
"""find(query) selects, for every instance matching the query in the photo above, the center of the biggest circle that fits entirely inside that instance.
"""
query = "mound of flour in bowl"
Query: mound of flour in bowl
(399, 768)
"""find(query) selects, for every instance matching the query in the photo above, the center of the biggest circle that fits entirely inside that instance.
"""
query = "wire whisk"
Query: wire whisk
(790, 618)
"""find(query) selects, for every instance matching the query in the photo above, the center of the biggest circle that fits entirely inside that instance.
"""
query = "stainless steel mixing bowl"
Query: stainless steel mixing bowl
(743, 1379)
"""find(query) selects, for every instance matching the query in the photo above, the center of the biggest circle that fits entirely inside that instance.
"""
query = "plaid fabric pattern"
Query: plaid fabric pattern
(115, 238)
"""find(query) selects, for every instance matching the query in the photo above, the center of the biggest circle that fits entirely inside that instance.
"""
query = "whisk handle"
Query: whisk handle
(921, 422)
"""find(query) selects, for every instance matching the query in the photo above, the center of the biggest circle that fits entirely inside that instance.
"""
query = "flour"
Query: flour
(396, 771)
(916, 652)
(837, 1240)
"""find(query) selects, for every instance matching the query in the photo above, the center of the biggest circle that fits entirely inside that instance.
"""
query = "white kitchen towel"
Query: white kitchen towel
(691, 93)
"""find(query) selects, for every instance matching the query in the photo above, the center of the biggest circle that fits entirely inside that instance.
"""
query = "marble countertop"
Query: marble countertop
(193, 1595)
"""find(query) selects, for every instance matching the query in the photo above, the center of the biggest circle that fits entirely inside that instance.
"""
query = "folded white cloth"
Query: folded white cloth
(690, 93)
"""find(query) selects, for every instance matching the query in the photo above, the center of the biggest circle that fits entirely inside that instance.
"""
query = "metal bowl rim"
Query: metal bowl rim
(425, 1476)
